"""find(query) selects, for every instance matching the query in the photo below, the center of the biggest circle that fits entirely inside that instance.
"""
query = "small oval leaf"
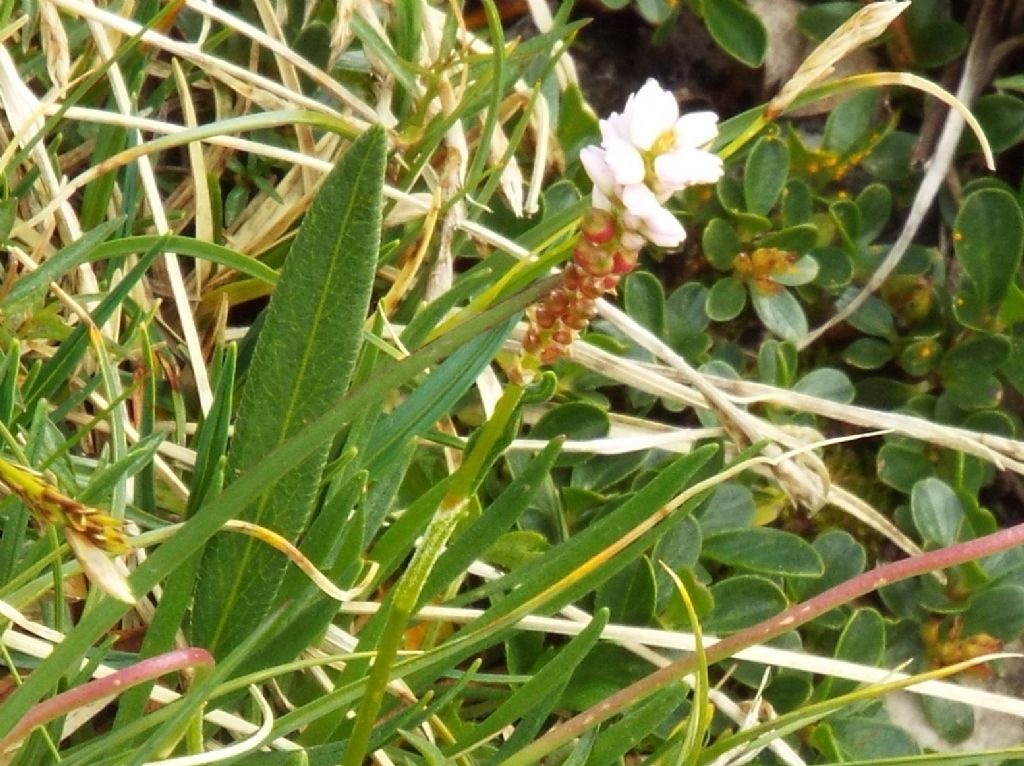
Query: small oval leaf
(781, 313)
(936, 511)
(762, 549)
(765, 174)
(726, 299)
(988, 239)
(743, 601)
(737, 29)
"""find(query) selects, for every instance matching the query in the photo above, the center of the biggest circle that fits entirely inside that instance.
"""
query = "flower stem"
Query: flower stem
(405, 599)
(787, 620)
(146, 670)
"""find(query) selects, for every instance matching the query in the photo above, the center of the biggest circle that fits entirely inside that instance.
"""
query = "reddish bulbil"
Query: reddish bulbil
(599, 260)
(545, 317)
(550, 354)
(592, 259)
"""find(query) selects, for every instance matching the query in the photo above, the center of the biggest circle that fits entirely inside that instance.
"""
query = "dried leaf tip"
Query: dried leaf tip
(858, 30)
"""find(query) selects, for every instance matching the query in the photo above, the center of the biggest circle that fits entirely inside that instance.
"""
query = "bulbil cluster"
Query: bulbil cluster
(599, 261)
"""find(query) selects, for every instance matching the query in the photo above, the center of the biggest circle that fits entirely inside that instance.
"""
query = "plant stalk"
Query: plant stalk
(787, 620)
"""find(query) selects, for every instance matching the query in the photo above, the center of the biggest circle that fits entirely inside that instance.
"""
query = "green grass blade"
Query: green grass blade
(59, 367)
(9, 383)
(535, 593)
(202, 689)
(211, 443)
(485, 448)
(192, 248)
(619, 738)
(245, 490)
(105, 481)
(332, 544)
(32, 285)
(110, 139)
(145, 483)
(535, 694)
(499, 516)
(303, 360)
(430, 401)
(561, 564)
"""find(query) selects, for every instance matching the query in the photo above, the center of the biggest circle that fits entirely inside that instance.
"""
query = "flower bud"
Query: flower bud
(589, 288)
(624, 261)
(531, 341)
(577, 321)
(598, 226)
(559, 300)
(572, 277)
(562, 336)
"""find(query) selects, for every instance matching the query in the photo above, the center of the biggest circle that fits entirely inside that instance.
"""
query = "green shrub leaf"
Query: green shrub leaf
(743, 601)
(762, 549)
(720, 243)
(765, 174)
(630, 596)
(645, 301)
(781, 313)
(936, 510)
(998, 611)
(740, 33)
(826, 383)
(867, 353)
(726, 299)
(989, 237)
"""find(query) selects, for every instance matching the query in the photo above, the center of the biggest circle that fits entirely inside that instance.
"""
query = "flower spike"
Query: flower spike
(648, 152)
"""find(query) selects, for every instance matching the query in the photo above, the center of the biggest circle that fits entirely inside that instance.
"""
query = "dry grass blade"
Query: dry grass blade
(262, 90)
(286, 54)
(938, 169)
(765, 655)
(55, 44)
(234, 750)
(858, 30)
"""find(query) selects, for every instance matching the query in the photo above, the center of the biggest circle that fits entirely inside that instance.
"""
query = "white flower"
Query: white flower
(645, 215)
(649, 142)
(648, 153)
(650, 113)
(685, 163)
(595, 162)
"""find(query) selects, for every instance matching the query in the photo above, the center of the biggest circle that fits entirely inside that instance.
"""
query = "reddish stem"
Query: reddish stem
(790, 618)
(145, 670)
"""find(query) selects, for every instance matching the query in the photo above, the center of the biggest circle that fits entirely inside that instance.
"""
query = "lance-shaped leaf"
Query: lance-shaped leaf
(302, 362)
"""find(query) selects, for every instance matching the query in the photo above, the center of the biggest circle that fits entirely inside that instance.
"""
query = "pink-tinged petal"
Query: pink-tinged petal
(696, 129)
(627, 112)
(639, 201)
(686, 167)
(664, 229)
(626, 163)
(614, 128)
(654, 112)
(595, 162)
(599, 200)
(631, 240)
